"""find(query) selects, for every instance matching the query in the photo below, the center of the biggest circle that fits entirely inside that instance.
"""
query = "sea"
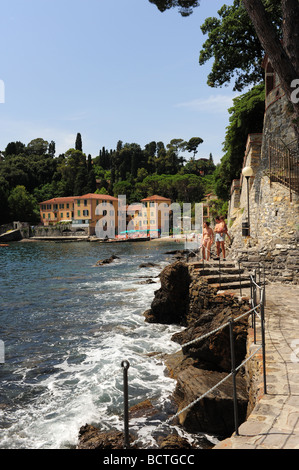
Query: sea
(66, 326)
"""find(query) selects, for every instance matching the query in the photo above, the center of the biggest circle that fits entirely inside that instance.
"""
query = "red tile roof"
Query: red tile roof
(156, 198)
(59, 199)
(97, 196)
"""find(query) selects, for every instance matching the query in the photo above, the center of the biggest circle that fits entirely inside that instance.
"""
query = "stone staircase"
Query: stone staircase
(224, 275)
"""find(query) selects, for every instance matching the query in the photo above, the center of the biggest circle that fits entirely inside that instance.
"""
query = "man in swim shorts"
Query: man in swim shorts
(220, 237)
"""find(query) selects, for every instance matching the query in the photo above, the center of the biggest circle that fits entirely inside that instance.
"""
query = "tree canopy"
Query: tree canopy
(31, 173)
(278, 39)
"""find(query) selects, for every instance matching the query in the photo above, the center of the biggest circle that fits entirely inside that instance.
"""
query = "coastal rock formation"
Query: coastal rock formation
(102, 262)
(214, 413)
(170, 305)
(188, 300)
(91, 437)
(202, 364)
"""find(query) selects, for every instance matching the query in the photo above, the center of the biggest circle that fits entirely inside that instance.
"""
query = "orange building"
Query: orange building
(92, 209)
(105, 215)
(156, 213)
(58, 209)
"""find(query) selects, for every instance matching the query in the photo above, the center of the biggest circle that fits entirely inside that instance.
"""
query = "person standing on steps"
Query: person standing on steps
(207, 240)
(220, 237)
(225, 231)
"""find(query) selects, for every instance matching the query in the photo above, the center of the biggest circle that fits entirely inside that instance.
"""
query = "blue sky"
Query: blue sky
(109, 69)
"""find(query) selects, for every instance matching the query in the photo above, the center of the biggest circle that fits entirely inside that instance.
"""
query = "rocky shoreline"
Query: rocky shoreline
(187, 300)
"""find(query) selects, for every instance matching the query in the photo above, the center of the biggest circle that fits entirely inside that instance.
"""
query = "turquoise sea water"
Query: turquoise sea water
(67, 326)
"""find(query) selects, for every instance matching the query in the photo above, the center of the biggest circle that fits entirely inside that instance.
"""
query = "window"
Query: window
(78, 202)
(67, 215)
(61, 215)
(86, 213)
(49, 216)
(78, 213)
(85, 202)
(61, 206)
(44, 216)
(67, 206)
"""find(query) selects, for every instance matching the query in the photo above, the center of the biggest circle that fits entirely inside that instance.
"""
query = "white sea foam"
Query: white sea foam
(95, 329)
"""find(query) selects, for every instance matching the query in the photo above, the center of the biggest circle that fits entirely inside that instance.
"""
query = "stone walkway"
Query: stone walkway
(274, 422)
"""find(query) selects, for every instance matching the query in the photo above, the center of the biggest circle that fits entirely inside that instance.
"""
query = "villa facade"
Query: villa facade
(92, 210)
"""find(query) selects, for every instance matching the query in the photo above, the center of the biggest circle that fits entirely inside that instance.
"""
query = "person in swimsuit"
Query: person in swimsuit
(220, 237)
(207, 240)
(225, 231)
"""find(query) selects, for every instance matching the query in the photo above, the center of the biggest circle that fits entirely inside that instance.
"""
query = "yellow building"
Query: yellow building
(156, 214)
(102, 215)
(58, 209)
(92, 209)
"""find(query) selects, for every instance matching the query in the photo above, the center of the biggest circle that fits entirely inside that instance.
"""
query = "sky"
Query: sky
(110, 70)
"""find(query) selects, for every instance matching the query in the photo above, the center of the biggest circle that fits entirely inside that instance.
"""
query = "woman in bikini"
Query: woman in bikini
(207, 240)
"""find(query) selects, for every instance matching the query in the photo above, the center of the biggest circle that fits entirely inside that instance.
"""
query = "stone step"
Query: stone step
(230, 285)
(227, 278)
(214, 271)
(212, 264)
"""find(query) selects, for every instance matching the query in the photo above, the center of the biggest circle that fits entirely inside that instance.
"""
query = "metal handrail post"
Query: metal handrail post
(263, 339)
(233, 371)
(240, 278)
(125, 365)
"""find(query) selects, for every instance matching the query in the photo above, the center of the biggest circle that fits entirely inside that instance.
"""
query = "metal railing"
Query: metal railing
(257, 310)
(283, 161)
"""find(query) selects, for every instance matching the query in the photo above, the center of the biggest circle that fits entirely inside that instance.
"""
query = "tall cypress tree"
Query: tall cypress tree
(78, 145)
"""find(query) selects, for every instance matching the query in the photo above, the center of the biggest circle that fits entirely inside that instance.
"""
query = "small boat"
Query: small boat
(4, 244)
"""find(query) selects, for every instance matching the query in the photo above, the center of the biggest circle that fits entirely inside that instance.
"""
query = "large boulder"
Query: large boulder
(91, 437)
(214, 351)
(170, 305)
(213, 414)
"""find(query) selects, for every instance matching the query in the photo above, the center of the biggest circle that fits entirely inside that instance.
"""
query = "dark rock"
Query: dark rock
(148, 281)
(102, 262)
(174, 442)
(214, 352)
(148, 265)
(214, 413)
(170, 305)
(91, 437)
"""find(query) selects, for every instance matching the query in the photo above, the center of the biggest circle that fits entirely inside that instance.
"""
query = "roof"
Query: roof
(59, 200)
(97, 196)
(156, 198)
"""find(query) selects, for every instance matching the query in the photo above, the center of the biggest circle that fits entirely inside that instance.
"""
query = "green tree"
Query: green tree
(37, 147)
(192, 145)
(78, 144)
(233, 45)
(22, 205)
(14, 148)
(246, 116)
(280, 44)
(72, 170)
